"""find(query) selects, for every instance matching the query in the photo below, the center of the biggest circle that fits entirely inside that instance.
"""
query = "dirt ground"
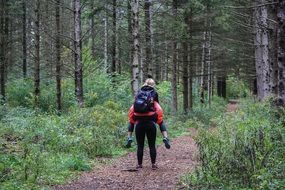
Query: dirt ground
(172, 163)
(232, 106)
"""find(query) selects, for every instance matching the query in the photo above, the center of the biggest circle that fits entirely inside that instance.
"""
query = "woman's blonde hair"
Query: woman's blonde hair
(149, 82)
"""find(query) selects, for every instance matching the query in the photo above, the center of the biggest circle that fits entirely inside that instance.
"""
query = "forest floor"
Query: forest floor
(119, 174)
(232, 106)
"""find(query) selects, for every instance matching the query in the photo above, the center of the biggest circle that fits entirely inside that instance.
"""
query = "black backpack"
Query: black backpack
(144, 102)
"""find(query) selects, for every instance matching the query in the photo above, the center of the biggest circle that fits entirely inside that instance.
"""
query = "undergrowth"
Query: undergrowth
(39, 150)
(245, 151)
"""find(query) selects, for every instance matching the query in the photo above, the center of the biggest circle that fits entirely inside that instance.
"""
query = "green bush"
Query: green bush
(237, 88)
(205, 114)
(20, 92)
(165, 96)
(35, 146)
(98, 88)
(245, 152)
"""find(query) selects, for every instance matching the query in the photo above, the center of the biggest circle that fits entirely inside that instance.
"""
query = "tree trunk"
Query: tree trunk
(265, 51)
(148, 53)
(281, 50)
(58, 61)
(119, 52)
(185, 77)
(136, 47)
(106, 38)
(261, 51)
(9, 36)
(202, 82)
(24, 42)
(37, 54)
(72, 32)
(190, 73)
(209, 64)
(141, 65)
(78, 53)
(221, 87)
(2, 49)
(190, 60)
(93, 34)
(114, 38)
(174, 64)
(178, 62)
(130, 36)
(273, 66)
(166, 62)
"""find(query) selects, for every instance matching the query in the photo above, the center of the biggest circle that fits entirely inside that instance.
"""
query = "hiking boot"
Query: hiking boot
(139, 166)
(166, 142)
(154, 167)
(129, 142)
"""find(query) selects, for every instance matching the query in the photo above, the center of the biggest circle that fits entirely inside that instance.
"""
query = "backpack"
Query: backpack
(144, 102)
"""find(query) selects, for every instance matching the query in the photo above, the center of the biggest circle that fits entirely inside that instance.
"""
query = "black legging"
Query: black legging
(148, 129)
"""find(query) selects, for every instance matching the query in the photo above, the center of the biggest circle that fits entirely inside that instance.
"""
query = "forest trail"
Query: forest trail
(232, 106)
(172, 163)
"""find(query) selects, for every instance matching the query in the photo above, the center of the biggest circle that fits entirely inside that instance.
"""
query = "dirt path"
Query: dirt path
(181, 158)
(232, 106)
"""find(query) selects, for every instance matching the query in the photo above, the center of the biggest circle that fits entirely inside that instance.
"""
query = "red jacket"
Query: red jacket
(158, 111)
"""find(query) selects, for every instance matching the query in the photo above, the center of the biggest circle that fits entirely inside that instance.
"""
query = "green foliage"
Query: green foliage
(165, 97)
(39, 149)
(206, 114)
(20, 92)
(237, 88)
(246, 151)
(99, 88)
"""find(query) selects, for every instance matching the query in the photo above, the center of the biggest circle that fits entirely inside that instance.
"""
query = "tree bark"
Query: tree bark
(24, 40)
(48, 47)
(166, 62)
(185, 77)
(106, 38)
(37, 54)
(114, 38)
(119, 51)
(136, 47)
(209, 64)
(78, 53)
(93, 34)
(221, 87)
(58, 58)
(2, 49)
(190, 72)
(130, 36)
(188, 21)
(174, 64)
(261, 51)
(281, 50)
(147, 69)
(202, 82)
(273, 66)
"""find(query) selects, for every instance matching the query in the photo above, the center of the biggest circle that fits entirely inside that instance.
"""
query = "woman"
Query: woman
(145, 125)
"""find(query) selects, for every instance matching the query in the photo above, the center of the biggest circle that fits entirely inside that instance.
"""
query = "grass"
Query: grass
(246, 151)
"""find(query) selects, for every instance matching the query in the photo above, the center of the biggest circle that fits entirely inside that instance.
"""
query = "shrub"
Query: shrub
(237, 88)
(36, 146)
(19, 92)
(245, 152)
(205, 115)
